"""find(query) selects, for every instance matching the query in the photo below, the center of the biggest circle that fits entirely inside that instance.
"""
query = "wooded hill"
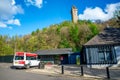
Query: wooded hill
(63, 35)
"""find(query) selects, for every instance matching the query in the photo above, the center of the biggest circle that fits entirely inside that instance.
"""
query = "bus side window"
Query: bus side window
(28, 58)
(31, 58)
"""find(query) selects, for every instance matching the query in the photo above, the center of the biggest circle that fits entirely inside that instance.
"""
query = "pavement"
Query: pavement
(75, 71)
(56, 70)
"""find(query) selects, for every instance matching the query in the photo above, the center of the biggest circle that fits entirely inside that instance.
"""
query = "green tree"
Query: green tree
(74, 33)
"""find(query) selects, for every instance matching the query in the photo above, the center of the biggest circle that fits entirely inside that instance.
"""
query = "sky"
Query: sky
(21, 17)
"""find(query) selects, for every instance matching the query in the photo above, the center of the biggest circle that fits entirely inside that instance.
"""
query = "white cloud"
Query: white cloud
(13, 2)
(37, 3)
(14, 22)
(2, 25)
(98, 13)
(8, 11)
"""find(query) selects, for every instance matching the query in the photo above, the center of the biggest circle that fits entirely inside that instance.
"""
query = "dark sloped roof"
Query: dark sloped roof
(55, 51)
(108, 36)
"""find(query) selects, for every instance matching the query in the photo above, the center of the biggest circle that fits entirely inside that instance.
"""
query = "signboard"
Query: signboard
(61, 58)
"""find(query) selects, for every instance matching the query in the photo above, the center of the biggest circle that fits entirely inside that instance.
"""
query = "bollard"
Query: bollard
(39, 66)
(62, 69)
(108, 74)
(82, 71)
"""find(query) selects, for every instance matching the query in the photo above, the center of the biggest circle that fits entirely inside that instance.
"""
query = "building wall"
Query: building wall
(47, 58)
(56, 59)
(93, 57)
(74, 58)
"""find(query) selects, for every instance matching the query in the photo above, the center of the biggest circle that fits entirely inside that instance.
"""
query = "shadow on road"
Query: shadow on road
(16, 68)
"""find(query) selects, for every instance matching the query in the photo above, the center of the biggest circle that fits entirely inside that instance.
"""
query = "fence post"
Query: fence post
(108, 74)
(62, 69)
(82, 71)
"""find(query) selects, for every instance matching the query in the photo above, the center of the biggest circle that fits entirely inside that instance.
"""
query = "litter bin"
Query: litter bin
(41, 65)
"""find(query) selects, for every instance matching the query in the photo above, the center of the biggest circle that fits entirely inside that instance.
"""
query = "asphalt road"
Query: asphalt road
(7, 73)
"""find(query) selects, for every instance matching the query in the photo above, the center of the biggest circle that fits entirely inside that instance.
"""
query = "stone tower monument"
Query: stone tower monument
(74, 13)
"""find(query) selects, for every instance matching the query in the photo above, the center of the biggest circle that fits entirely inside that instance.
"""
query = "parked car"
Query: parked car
(25, 60)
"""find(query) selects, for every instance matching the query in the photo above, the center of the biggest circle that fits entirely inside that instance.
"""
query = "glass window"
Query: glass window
(101, 56)
(30, 58)
(19, 57)
(105, 54)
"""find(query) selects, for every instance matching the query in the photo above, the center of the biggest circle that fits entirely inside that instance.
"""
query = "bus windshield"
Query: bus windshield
(19, 57)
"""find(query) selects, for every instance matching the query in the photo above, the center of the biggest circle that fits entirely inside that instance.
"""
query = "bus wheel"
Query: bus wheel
(27, 66)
